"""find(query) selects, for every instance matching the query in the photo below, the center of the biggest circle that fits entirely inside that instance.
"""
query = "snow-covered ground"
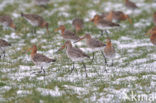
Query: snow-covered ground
(134, 69)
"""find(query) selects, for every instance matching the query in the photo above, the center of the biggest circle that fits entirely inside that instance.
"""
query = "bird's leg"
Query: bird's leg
(85, 68)
(104, 57)
(35, 30)
(112, 63)
(72, 68)
(4, 53)
(93, 56)
(106, 32)
(42, 69)
(101, 32)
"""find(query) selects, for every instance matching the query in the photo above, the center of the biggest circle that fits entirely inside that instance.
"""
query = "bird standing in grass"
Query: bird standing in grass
(75, 54)
(39, 59)
(131, 5)
(35, 21)
(109, 51)
(103, 24)
(66, 34)
(6, 22)
(93, 44)
(120, 16)
(3, 45)
(78, 24)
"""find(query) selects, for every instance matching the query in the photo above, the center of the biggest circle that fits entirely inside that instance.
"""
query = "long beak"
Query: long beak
(57, 29)
(80, 39)
(130, 20)
(61, 48)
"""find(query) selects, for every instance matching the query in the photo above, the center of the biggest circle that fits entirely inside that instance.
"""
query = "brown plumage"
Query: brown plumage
(42, 2)
(154, 18)
(35, 20)
(103, 24)
(109, 50)
(130, 4)
(6, 21)
(78, 24)
(3, 45)
(39, 59)
(153, 37)
(93, 44)
(120, 16)
(66, 34)
(75, 54)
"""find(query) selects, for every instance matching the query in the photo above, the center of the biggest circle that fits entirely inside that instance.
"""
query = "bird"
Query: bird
(75, 54)
(39, 59)
(151, 30)
(103, 24)
(118, 16)
(154, 18)
(152, 37)
(3, 45)
(66, 34)
(78, 24)
(131, 5)
(6, 22)
(35, 21)
(93, 44)
(109, 50)
(42, 2)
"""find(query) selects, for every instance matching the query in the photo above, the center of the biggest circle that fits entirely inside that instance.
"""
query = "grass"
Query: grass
(18, 84)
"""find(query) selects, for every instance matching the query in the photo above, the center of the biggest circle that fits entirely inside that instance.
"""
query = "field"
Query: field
(134, 70)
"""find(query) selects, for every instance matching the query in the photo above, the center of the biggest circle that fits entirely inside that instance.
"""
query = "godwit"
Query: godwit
(35, 21)
(75, 54)
(154, 18)
(109, 50)
(66, 34)
(6, 22)
(130, 4)
(3, 45)
(153, 37)
(42, 2)
(93, 44)
(103, 24)
(39, 59)
(120, 16)
(78, 24)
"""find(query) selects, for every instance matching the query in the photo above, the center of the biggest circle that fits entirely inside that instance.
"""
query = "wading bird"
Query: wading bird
(35, 21)
(75, 54)
(93, 44)
(39, 59)
(103, 24)
(109, 51)
(6, 22)
(77, 24)
(66, 34)
(131, 5)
